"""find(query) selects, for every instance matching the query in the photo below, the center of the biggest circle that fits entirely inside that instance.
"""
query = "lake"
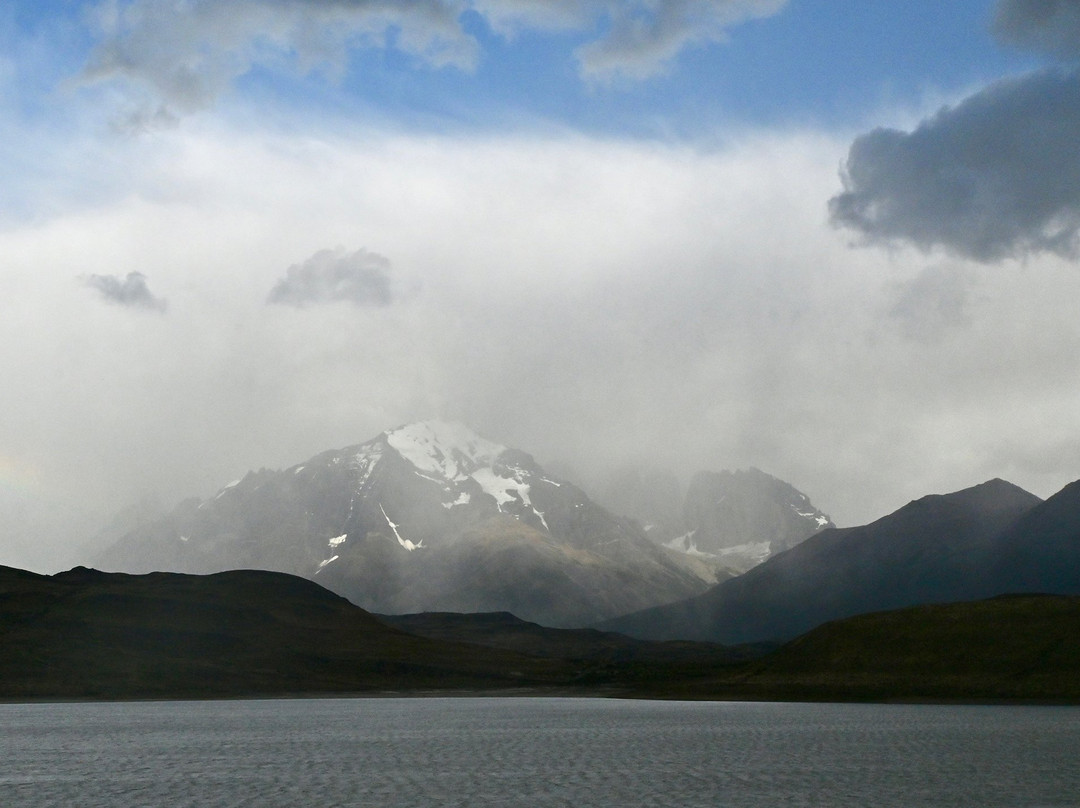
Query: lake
(391, 752)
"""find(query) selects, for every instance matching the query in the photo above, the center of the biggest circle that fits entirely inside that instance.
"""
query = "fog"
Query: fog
(192, 289)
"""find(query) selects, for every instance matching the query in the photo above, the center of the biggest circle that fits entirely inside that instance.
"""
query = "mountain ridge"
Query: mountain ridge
(931, 550)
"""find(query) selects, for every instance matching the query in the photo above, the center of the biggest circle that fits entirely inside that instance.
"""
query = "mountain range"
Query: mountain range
(988, 540)
(432, 518)
(425, 517)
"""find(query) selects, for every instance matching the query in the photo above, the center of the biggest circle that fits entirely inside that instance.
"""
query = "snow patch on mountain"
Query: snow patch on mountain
(817, 516)
(225, 489)
(752, 552)
(685, 544)
(756, 551)
(455, 457)
(508, 489)
(448, 451)
(408, 545)
(498, 487)
(463, 499)
(363, 463)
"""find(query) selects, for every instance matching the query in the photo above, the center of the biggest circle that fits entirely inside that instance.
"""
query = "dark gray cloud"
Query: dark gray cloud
(331, 276)
(996, 176)
(131, 291)
(1046, 26)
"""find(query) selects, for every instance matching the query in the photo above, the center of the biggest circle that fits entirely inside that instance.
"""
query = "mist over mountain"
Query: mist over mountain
(426, 517)
(990, 539)
(653, 497)
(732, 520)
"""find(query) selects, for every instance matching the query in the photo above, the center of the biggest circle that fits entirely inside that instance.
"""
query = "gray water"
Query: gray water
(535, 752)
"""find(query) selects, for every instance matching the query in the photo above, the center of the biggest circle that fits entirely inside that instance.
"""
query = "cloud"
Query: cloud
(996, 176)
(330, 276)
(508, 17)
(645, 36)
(640, 37)
(936, 300)
(564, 312)
(1047, 26)
(183, 56)
(131, 292)
(179, 58)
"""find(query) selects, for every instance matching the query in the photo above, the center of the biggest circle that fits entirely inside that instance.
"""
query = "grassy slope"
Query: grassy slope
(603, 659)
(504, 630)
(1024, 647)
(88, 634)
(93, 635)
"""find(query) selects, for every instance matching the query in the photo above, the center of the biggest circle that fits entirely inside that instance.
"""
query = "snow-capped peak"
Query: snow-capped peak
(444, 450)
(465, 464)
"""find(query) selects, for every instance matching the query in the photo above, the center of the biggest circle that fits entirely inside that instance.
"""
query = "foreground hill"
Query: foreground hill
(503, 630)
(86, 634)
(426, 517)
(1020, 647)
(89, 634)
(938, 549)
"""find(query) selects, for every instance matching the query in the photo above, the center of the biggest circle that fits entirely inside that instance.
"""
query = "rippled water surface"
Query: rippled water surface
(535, 752)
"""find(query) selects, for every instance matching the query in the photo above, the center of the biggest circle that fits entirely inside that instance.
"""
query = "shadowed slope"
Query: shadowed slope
(1041, 551)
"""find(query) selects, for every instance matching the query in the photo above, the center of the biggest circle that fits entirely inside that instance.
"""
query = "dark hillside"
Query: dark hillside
(1023, 647)
(91, 634)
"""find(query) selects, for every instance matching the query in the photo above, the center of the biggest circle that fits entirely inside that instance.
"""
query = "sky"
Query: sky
(836, 240)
